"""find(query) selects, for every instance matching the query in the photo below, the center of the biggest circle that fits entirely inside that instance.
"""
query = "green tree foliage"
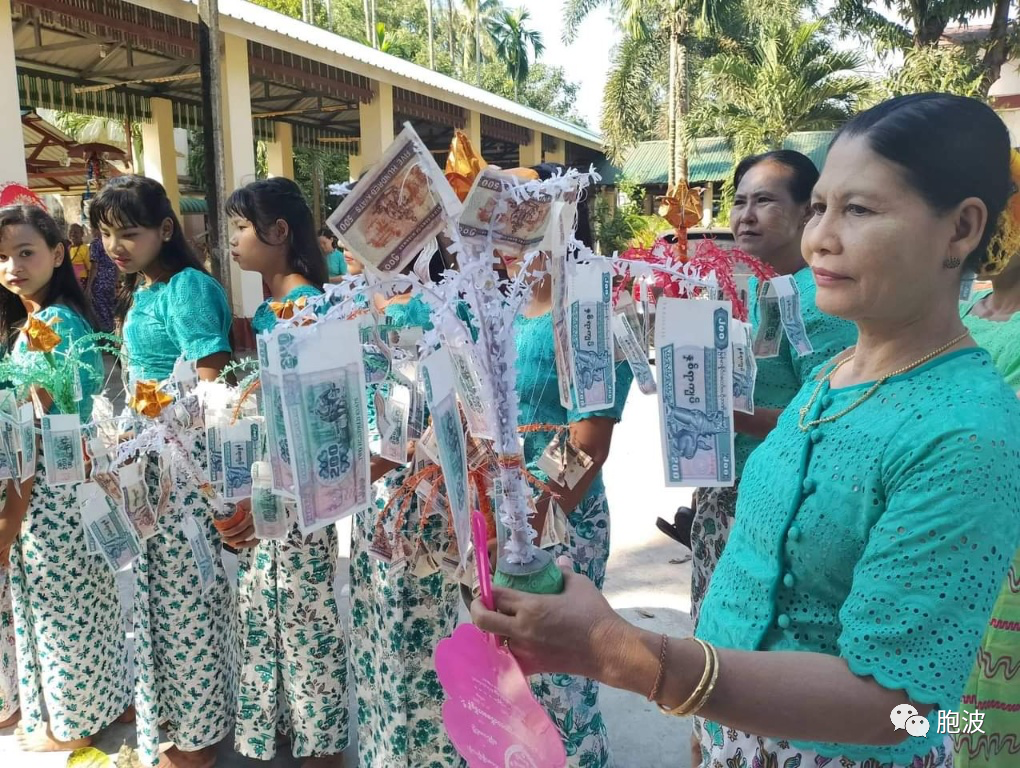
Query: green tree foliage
(513, 38)
(944, 69)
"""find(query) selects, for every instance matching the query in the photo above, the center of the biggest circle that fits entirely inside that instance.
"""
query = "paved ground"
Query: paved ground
(644, 582)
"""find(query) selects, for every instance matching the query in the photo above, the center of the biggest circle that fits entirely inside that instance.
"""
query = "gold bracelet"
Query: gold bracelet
(697, 694)
(662, 668)
(711, 683)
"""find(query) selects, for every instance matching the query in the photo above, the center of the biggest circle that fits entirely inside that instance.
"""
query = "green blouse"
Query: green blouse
(187, 315)
(1001, 339)
(881, 537)
(780, 378)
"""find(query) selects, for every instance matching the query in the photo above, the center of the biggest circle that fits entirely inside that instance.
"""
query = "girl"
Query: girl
(877, 521)
(289, 618)
(169, 307)
(71, 651)
(79, 253)
(336, 263)
(572, 702)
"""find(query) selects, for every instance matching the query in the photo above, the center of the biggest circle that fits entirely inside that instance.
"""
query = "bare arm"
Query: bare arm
(758, 424)
(209, 368)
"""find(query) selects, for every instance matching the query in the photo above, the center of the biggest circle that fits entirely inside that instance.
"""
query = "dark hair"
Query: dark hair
(803, 173)
(327, 232)
(949, 148)
(583, 231)
(138, 201)
(63, 288)
(266, 201)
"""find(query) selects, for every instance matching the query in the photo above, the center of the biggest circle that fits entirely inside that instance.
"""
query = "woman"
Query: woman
(770, 210)
(78, 253)
(993, 318)
(336, 264)
(71, 656)
(572, 702)
(170, 308)
(101, 286)
(859, 577)
(289, 620)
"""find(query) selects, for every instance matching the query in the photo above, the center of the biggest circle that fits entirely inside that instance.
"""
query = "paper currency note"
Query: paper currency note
(325, 415)
(110, 530)
(28, 444)
(627, 332)
(391, 418)
(589, 292)
(561, 331)
(215, 420)
(745, 368)
(791, 314)
(185, 376)
(10, 438)
(135, 500)
(270, 378)
(63, 457)
(477, 219)
(694, 359)
(201, 551)
(472, 392)
(267, 509)
(770, 322)
(85, 492)
(440, 392)
(240, 451)
(397, 207)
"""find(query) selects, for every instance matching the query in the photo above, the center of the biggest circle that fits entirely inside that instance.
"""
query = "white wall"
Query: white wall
(181, 147)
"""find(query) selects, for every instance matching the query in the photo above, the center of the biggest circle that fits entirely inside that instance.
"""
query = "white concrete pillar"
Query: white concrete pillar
(12, 159)
(239, 146)
(707, 199)
(159, 150)
(280, 151)
(531, 154)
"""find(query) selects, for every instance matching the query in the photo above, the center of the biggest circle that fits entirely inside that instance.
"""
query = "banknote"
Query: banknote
(85, 492)
(185, 376)
(63, 456)
(440, 393)
(768, 336)
(325, 415)
(791, 314)
(745, 368)
(135, 500)
(267, 509)
(10, 438)
(108, 527)
(397, 207)
(201, 551)
(561, 332)
(693, 355)
(627, 332)
(589, 293)
(477, 220)
(27, 442)
(215, 420)
(391, 411)
(270, 375)
(240, 450)
(472, 391)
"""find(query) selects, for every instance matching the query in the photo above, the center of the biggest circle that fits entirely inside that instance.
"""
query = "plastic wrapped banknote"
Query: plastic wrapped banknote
(109, 528)
(745, 369)
(770, 323)
(270, 380)
(628, 332)
(324, 406)
(397, 207)
(241, 447)
(791, 314)
(589, 316)
(694, 358)
(63, 454)
(473, 391)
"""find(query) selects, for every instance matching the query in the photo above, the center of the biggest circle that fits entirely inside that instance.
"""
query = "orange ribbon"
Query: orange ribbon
(40, 336)
(285, 310)
(148, 400)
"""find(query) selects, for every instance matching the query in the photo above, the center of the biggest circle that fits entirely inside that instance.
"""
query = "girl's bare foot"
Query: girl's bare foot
(45, 741)
(10, 720)
(175, 758)
(327, 761)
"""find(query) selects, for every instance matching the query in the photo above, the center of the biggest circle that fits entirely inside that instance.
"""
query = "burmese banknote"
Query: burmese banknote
(325, 415)
(473, 393)
(267, 509)
(791, 313)
(745, 369)
(201, 551)
(215, 420)
(397, 207)
(134, 500)
(769, 334)
(63, 455)
(10, 438)
(241, 441)
(516, 217)
(561, 331)
(628, 332)
(694, 358)
(270, 378)
(440, 393)
(391, 412)
(589, 293)
(28, 442)
(108, 527)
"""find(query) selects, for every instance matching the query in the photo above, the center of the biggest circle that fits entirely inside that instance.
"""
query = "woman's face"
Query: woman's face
(876, 247)
(766, 221)
(354, 265)
(135, 249)
(325, 245)
(250, 253)
(26, 261)
(75, 234)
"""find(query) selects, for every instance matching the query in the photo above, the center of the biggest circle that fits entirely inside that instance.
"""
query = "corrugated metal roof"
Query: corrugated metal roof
(711, 159)
(276, 23)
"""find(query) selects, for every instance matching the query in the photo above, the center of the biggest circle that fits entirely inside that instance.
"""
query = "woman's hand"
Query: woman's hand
(575, 632)
(242, 535)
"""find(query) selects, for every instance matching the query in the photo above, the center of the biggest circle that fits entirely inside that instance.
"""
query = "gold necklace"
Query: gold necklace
(804, 427)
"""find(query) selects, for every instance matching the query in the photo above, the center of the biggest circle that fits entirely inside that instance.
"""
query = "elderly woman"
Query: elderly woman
(877, 520)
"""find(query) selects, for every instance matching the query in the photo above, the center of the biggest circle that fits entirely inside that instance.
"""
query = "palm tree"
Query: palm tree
(789, 79)
(512, 38)
(432, 34)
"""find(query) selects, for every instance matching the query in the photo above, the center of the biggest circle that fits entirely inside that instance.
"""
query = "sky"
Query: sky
(586, 61)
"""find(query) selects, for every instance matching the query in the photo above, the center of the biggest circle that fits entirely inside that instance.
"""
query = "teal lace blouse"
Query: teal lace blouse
(71, 326)
(265, 319)
(538, 388)
(187, 315)
(780, 378)
(1001, 339)
(881, 537)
